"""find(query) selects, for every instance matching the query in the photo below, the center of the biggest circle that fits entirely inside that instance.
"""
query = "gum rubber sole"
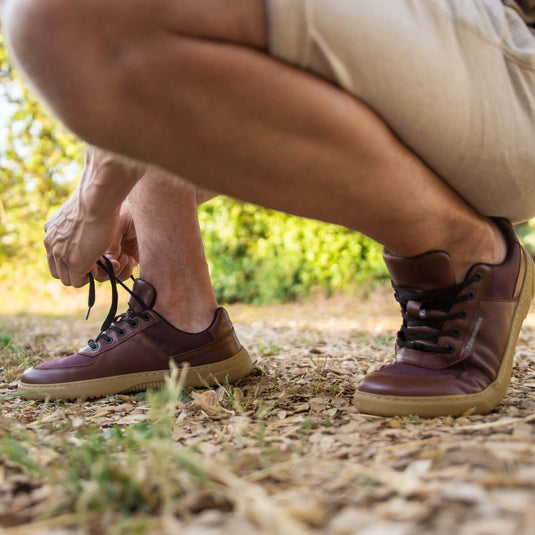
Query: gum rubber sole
(479, 403)
(231, 369)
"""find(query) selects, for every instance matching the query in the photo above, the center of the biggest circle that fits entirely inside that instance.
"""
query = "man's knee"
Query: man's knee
(50, 44)
(88, 58)
(36, 32)
(75, 54)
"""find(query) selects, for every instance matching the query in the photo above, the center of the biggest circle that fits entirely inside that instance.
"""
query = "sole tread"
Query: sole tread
(231, 369)
(481, 402)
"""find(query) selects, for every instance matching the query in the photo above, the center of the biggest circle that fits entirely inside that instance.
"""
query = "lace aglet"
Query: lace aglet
(91, 298)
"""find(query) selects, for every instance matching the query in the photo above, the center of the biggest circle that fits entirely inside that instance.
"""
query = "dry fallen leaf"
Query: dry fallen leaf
(288, 446)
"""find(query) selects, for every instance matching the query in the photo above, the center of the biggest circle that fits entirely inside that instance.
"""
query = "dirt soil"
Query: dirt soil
(325, 468)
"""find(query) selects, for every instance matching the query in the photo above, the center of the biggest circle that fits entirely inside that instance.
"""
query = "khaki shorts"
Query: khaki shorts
(454, 79)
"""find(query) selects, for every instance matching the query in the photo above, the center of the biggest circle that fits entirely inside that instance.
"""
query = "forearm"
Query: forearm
(88, 223)
(106, 181)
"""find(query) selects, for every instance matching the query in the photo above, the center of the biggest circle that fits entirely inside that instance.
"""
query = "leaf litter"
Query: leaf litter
(282, 452)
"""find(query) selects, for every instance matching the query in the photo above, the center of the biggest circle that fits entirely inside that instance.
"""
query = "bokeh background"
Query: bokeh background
(256, 256)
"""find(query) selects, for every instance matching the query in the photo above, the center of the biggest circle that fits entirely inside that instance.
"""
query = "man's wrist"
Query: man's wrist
(106, 183)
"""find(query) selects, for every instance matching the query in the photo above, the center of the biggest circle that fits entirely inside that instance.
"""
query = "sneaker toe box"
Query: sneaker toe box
(55, 371)
(393, 385)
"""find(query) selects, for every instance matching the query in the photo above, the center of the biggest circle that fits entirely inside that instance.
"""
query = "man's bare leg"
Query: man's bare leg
(192, 76)
(214, 108)
(164, 209)
(172, 313)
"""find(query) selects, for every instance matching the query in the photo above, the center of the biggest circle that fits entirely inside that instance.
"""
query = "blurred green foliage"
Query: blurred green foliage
(255, 255)
(39, 162)
(260, 256)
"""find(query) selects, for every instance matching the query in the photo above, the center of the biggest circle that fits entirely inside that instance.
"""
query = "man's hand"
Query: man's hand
(92, 223)
(75, 239)
(122, 252)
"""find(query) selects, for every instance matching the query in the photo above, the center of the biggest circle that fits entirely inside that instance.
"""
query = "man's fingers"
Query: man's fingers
(69, 277)
(126, 267)
(78, 281)
(122, 268)
(52, 266)
(126, 271)
(63, 272)
(102, 275)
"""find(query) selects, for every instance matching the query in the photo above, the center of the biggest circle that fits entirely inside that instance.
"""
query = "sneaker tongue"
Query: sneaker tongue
(429, 271)
(145, 292)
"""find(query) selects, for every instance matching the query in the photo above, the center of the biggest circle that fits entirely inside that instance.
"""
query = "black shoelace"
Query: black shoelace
(439, 301)
(113, 322)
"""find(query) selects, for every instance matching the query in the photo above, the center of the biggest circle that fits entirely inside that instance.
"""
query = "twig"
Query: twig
(498, 423)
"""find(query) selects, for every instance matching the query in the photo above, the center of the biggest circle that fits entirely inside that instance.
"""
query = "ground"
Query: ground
(283, 452)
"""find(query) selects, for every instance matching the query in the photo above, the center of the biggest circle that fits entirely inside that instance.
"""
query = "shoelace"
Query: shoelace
(433, 313)
(112, 322)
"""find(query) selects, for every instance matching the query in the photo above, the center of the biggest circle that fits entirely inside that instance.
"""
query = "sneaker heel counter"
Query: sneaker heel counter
(223, 331)
(221, 324)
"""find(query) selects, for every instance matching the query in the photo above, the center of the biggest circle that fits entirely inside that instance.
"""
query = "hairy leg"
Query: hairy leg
(212, 106)
(164, 209)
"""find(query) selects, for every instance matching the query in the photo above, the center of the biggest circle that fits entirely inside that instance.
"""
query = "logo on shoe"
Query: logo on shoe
(477, 327)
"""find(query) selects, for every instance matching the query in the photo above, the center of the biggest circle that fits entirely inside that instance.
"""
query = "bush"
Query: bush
(260, 256)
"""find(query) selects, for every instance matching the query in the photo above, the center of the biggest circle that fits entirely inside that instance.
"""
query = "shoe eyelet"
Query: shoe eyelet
(109, 340)
(456, 333)
(463, 314)
(451, 350)
(145, 317)
(96, 348)
(134, 324)
(121, 332)
(471, 295)
(478, 276)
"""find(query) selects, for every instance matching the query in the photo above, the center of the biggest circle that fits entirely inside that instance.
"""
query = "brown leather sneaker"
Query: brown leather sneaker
(454, 352)
(133, 354)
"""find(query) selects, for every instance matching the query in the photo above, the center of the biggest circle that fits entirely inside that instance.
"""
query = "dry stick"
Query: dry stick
(474, 427)
(498, 423)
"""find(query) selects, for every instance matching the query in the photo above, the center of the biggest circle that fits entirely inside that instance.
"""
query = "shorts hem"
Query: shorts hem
(287, 29)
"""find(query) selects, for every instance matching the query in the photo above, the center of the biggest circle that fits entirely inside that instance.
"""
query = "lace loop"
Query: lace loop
(109, 325)
(425, 313)
(114, 296)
